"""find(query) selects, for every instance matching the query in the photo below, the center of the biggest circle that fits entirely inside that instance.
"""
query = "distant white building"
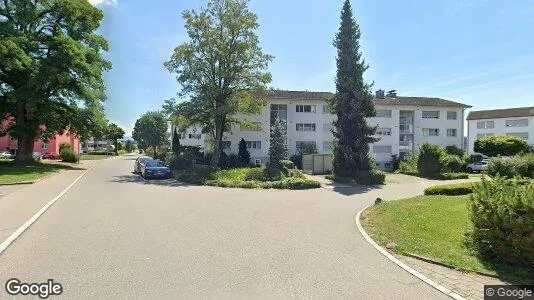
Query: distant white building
(404, 124)
(512, 121)
(92, 145)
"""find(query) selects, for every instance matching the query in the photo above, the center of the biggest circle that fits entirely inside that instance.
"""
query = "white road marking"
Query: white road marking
(32, 220)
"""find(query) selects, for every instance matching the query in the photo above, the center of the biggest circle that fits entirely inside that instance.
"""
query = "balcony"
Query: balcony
(406, 129)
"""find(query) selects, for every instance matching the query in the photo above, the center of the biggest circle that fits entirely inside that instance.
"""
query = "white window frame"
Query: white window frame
(44, 146)
(297, 143)
(301, 108)
(485, 124)
(386, 147)
(450, 130)
(305, 127)
(449, 115)
(427, 131)
(428, 114)
(195, 136)
(516, 123)
(383, 113)
(255, 145)
(383, 131)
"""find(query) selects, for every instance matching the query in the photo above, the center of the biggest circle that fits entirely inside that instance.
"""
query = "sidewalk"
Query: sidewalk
(18, 203)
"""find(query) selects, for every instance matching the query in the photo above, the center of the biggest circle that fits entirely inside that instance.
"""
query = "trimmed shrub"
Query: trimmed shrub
(429, 160)
(473, 158)
(450, 189)
(510, 167)
(288, 183)
(453, 163)
(364, 178)
(451, 176)
(67, 155)
(287, 164)
(502, 213)
(178, 162)
(453, 150)
(297, 160)
(256, 174)
(504, 145)
(121, 152)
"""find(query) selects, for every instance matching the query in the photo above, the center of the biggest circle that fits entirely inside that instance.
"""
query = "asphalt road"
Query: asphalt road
(116, 236)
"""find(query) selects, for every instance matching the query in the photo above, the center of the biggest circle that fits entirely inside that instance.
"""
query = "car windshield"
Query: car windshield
(145, 159)
(155, 163)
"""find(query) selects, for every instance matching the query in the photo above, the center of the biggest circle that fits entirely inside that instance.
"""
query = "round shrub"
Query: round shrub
(287, 164)
(429, 160)
(450, 189)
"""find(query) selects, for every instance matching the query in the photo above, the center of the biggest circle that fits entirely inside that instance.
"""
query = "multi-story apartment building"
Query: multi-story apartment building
(404, 124)
(512, 121)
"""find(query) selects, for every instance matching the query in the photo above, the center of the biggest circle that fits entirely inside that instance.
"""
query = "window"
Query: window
(430, 114)
(257, 162)
(226, 145)
(517, 123)
(195, 136)
(485, 125)
(326, 110)
(452, 115)
(383, 131)
(430, 131)
(254, 145)
(328, 127)
(305, 127)
(452, 132)
(306, 108)
(327, 147)
(306, 145)
(382, 149)
(523, 135)
(483, 135)
(253, 126)
(44, 146)
(383, 113)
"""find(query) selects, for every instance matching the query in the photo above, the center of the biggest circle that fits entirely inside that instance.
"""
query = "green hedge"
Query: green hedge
(364, 178)
(288, 183)
(450, 189)
(442, 176)
(196, 174)
(502, 213)
(510, 167)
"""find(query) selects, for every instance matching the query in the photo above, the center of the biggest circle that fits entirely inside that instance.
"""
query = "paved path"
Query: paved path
(114, 235)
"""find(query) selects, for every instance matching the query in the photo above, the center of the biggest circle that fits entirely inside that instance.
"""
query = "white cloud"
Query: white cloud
(103, 2)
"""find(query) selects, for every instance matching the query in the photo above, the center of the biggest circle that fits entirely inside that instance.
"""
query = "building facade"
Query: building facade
(40, 146)
(404, 124)
(512, 121)
(92, 145)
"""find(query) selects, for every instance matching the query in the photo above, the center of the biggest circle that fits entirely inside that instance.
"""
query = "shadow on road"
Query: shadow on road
(348, 190)
(133, 178)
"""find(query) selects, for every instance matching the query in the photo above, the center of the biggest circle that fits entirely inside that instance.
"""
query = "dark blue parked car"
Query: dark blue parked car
(155, 169)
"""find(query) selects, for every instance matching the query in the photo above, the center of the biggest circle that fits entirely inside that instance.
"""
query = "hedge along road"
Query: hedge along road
(116, 235)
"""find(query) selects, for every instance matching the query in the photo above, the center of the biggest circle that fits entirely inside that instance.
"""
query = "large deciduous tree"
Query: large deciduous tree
(220, 68)
(150, 130)
(501, 145)
(51, 69)
(353, 102)
(113, 134)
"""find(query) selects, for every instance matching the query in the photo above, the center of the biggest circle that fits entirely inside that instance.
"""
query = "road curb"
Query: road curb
(7, 242)
(399, 263)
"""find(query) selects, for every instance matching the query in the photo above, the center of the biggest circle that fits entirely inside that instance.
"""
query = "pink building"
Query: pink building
(7, 143)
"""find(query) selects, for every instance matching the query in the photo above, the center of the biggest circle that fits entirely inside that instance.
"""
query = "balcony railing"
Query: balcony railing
(405, 128)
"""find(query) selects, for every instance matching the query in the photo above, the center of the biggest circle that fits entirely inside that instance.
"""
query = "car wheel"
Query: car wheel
(144, 175)
(469, 170)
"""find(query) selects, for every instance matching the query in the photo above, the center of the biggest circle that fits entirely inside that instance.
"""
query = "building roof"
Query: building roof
(501, 113)
(398, 100)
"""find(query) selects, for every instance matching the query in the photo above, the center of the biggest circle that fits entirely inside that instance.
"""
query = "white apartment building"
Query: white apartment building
(512, 121)
(404, 124)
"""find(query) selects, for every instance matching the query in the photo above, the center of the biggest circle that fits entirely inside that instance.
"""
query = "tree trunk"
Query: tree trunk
(25, 150)
(219, 131)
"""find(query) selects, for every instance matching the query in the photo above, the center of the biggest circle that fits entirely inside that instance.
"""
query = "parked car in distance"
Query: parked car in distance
(141, 160)
(477, 166)
(155, 169)
(6, 155)
(51, 155)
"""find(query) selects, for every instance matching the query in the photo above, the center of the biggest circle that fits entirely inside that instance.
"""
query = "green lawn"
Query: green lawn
(93, 157)
(11, 173)
(432, 227)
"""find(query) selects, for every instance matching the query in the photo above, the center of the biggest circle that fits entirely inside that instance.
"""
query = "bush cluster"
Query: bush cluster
(502, 213)
(287, 183)
(435, 162)
(450, 189)
(67, 155)
(511, 167)
(121, 152)
(365, 178)
(196, 174)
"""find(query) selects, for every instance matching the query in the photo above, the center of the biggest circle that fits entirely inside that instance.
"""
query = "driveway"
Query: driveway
(114, 235)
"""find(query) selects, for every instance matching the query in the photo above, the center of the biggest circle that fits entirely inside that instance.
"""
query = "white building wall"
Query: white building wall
(499, 129)
(322, 135)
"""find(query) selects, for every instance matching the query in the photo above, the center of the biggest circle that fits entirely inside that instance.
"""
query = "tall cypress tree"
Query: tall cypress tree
(243, 154)
(353, 102)
(277, 147)
(176, 147)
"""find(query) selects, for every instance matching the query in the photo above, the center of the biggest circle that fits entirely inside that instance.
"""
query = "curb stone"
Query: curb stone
(399, 263)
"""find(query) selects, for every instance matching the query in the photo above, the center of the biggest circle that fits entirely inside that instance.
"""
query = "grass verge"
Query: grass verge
(93, 157)
(17, 173)
(433, 227)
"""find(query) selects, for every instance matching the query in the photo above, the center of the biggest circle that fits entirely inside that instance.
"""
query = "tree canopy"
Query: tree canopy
(353, 102)
(114, 133)
(150, 130)
(277, 147)
(501, 145)
(219, 68)
(51, 68)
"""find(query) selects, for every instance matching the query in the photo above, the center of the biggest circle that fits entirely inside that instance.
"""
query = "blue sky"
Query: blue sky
(479, 52)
